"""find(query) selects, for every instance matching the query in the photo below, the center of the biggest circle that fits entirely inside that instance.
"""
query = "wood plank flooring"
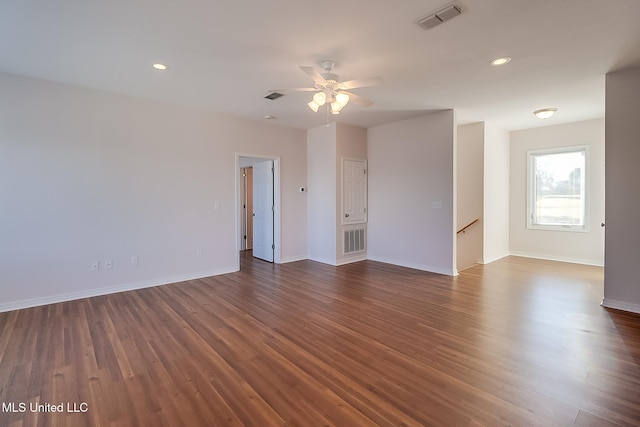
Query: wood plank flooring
(517, 342)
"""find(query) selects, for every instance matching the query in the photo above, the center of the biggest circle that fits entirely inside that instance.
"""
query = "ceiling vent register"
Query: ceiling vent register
(274, 95)
(440, 16)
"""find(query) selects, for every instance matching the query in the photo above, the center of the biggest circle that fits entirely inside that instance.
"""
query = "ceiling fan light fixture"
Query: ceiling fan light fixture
(545, 113)
(319, 99)
(330, 92)
(314, 107)
(342, 99)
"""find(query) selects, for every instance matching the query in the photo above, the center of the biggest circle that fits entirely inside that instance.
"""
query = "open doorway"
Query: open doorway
(258, 207)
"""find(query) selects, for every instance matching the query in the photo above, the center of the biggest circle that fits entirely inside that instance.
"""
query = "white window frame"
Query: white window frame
(531, 154)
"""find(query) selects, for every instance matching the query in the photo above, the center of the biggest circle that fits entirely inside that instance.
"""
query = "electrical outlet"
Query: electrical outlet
(95, 265)
(108, 263)
(199, 252)
(134, 260)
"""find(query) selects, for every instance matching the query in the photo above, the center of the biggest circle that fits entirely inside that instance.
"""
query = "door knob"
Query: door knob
(602, 224)
(346, 215)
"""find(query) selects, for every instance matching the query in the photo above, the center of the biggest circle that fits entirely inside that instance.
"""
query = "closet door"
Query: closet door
(354, 191)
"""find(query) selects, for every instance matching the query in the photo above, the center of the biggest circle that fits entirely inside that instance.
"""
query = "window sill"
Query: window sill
(563, 228)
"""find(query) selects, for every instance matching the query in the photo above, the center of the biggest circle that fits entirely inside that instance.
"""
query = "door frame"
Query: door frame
(276, 207)
(246, 226)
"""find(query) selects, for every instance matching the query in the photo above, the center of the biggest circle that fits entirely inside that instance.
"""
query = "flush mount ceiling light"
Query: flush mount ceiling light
(330, 91)
(545, 113)
(501, 61)
(159, 66)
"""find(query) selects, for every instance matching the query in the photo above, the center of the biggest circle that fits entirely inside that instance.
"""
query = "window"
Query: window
(557, 189)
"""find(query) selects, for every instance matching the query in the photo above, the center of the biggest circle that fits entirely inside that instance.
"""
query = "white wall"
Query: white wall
(621, 284)
(470, 194)
(496, 193)
(351, 142)
(321, 193)
(580, 247)
(88, 175)
(411, 171)
(326, 146)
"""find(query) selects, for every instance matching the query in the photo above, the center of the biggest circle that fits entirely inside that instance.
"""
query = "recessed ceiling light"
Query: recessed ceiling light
(159, 66)
(269, 117)
(545, 113)
(501, 61)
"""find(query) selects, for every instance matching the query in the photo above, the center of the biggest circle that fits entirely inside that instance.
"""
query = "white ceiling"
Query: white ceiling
(226, 54)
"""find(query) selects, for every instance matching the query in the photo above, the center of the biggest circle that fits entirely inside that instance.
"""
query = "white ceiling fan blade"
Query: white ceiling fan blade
(352, 84)
(295, 89)
(313, 74)
(358, 100)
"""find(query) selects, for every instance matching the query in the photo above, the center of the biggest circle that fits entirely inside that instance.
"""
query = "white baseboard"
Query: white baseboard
(416, 266)
(621, 305)
(596, 263)
(292, 259)
(323, 260)
(88, 293)
(492, 259)
(333, 262)
(350, 260)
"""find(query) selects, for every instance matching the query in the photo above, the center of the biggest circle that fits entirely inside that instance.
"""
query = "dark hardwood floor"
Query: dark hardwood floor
(517, 342)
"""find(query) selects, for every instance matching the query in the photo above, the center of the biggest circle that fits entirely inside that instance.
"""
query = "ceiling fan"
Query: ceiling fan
(330, 91)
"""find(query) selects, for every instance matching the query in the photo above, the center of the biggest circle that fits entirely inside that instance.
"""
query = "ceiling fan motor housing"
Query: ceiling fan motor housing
(329, 87)
(328, 65)
(331, 77)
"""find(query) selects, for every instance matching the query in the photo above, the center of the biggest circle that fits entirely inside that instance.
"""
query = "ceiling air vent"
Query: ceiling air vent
(273, 96)
(440, 16)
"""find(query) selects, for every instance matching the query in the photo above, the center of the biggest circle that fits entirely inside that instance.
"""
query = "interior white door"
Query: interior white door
(263, 211)
(354, 191)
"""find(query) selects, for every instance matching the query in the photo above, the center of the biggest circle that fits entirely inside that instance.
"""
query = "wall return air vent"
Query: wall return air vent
(442, 15)
(354, 240)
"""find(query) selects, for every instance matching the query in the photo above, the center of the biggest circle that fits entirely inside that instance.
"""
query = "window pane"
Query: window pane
(559, 189)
